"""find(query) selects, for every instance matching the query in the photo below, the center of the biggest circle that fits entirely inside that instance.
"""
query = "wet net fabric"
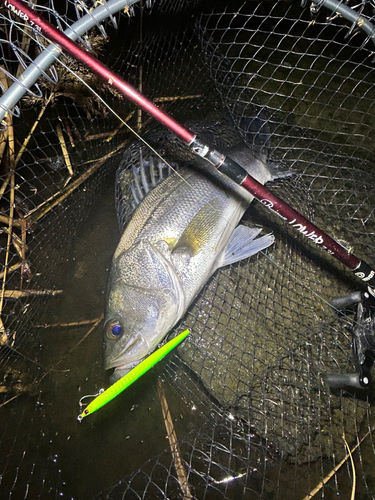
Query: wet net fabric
(252, 414)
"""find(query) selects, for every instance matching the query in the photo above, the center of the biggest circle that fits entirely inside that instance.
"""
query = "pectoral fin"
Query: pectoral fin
(200, 229)
(243, 244)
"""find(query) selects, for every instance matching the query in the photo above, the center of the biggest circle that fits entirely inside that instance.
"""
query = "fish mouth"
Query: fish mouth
(134, 351)
(122, 370)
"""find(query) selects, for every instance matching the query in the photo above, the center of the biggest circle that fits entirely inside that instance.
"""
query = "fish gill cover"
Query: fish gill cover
(243, 409)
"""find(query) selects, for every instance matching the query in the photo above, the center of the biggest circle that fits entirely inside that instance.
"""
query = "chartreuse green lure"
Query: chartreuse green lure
(124, 382)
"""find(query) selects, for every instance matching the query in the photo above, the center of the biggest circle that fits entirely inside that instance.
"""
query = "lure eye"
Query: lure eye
(114, 330)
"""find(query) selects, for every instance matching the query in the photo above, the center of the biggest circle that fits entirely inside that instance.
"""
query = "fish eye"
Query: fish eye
(114, 330)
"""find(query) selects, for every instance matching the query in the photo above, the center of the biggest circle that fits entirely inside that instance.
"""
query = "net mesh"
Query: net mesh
(243, 409)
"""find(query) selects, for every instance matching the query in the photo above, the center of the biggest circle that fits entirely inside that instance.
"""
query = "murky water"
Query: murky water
(94, 453)
(81, 459)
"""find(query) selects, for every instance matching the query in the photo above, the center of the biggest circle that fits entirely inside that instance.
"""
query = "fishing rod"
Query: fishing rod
(221, 162)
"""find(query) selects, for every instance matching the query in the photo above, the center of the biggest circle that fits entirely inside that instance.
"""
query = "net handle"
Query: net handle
(222, 163)
(41, 63)
(358, 21)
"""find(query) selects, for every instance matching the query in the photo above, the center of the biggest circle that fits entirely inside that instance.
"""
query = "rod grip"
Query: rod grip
(344, 301)
(365, 273)
(337, 381)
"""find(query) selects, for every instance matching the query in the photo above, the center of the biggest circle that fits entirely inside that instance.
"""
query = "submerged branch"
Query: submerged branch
(173, 443)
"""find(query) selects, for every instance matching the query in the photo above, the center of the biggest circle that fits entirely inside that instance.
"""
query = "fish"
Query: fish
(183, 229)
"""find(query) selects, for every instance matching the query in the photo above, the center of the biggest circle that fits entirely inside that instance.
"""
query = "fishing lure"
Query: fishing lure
(105, 396)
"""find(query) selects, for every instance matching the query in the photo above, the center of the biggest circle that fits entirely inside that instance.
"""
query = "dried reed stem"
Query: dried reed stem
(113, 133)
(35, 124)
(6, 180)
(3, 335)
(96, 323)
(4, 135)
(64, 149)
(10, 130)
(69, 132)
(74, 323)
(18, 294)
(94, 137)
(19, 245)
(3, 143)
(338, 466)
(11, 269)
(353, 469)
(18, 241)
(53, 368)
(5, 219)
(9, 400)
(47, 205)
(25, 266)
(177, 98)
(173, 443)
(18, 387)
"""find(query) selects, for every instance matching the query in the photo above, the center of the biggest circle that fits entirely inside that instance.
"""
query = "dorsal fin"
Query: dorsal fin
(147, 176)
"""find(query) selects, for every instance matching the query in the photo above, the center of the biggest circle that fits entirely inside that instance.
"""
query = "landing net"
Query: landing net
(243, 409)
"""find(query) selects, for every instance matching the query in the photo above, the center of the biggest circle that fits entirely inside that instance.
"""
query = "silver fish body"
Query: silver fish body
(181, 232)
